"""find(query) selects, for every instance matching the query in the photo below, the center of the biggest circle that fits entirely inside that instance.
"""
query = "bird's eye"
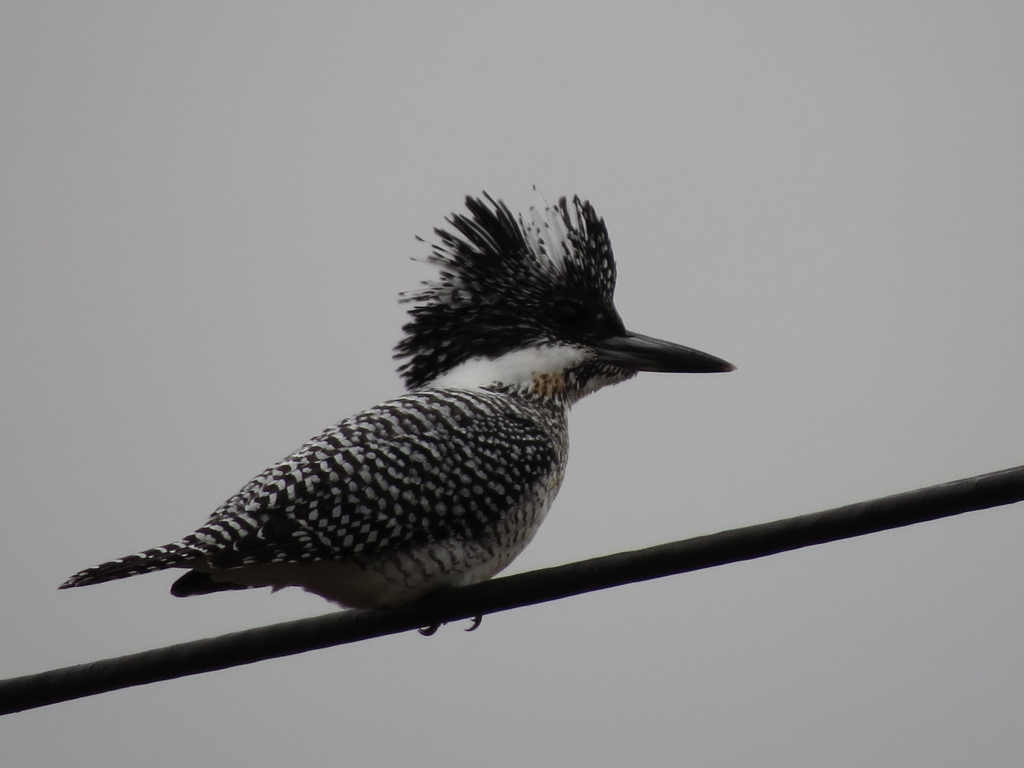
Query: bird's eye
(569, 315)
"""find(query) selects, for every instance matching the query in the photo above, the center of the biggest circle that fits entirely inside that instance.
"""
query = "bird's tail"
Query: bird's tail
(178, 555)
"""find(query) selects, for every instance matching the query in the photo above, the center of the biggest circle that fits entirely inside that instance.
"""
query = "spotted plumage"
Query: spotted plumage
(448, 483)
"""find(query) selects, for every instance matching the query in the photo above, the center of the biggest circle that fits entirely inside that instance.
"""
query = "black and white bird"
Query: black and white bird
(447, 484)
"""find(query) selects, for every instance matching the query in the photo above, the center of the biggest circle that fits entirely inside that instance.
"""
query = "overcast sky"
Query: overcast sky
(207, 211)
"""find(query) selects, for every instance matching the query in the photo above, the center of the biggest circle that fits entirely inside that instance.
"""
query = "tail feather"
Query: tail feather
(200, 583)
(156, 559)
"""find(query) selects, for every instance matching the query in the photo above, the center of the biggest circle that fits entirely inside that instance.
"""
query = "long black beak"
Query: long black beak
(637, 352)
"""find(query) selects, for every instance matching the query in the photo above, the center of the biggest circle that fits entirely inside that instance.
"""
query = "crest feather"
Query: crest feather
(498, 275)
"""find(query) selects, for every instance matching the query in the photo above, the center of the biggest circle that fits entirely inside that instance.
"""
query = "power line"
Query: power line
(246, 647)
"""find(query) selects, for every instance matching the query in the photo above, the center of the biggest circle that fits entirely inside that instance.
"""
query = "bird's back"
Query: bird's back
(435, 488)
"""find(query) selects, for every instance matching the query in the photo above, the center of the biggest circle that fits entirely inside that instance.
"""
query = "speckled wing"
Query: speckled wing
(427, 466)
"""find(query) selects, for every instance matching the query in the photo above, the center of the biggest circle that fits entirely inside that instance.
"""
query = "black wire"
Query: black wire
(246, 647)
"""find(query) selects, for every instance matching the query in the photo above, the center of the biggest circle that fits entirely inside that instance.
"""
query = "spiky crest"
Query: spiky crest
(506, 283)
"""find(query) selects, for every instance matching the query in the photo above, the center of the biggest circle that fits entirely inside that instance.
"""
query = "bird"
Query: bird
(446, 484)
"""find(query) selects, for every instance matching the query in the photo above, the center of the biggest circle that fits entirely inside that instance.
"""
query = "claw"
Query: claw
(429, 630)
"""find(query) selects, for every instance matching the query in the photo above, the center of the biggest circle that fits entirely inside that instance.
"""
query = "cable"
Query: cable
(252, 645)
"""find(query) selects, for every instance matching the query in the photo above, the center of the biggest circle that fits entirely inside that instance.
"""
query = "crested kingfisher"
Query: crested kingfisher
(446, 484)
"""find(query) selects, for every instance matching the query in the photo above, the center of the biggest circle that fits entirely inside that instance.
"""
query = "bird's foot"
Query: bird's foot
(429, 630)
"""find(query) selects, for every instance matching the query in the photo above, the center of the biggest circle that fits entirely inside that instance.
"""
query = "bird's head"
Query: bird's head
(525, 304)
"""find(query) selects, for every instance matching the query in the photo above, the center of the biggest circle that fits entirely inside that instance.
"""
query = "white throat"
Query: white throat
(519, 369)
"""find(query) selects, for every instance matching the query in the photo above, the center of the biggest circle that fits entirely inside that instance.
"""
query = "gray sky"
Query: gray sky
(206, 213)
